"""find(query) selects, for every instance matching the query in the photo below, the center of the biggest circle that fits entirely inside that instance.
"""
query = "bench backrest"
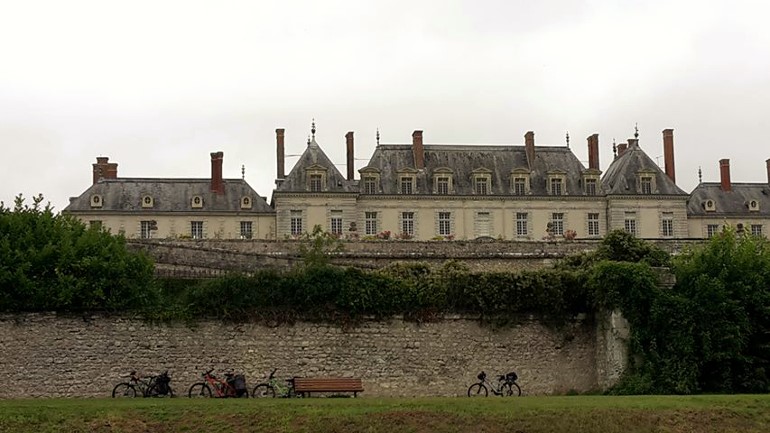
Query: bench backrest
(327, 384)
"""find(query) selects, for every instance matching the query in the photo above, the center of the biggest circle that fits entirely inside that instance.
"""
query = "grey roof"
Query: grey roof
(620, 177)
(169, 195)
(296, 180)
(464, 159)
(730, 203)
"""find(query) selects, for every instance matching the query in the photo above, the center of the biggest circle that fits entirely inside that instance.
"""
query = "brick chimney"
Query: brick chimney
(668, 153)
(351, 158)
(529, 147)
(103, 169)
(418, 150)
(217, 183)
(280, 154)
(593, 152)
(622, 148)
(724, 171)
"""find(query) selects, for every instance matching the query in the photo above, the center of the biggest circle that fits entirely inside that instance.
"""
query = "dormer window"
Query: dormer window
(520, 181)
(645, 182)
(442, 181)
(406, 184)
(246, 202)
(316, 178)
(482, 181)
(709, 205)
(557, 183)
(753, 206)
(591, 186)
(96, 201)
(370, 180)
(196, 202)
(147, 202)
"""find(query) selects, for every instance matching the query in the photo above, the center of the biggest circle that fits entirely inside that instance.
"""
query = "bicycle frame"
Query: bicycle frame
(220, 387)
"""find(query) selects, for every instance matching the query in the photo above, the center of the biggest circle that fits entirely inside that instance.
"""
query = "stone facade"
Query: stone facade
(45, 355)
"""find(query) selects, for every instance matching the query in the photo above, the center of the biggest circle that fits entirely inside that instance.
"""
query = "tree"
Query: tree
(53, 262)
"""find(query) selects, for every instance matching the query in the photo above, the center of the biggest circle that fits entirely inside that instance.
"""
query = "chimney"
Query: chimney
(622, 148)
(529, 147)
(668, 153)
(724, 171)
(280, 154)
(593, 152)
(418, 150)
(351, 159)
(217, 183)
(103, 169)
(768, 170)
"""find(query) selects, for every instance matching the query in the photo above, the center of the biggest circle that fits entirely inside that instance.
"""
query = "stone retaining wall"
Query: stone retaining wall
(45, 355)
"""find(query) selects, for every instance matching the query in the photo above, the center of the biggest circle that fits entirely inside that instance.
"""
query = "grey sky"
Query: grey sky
(158, 85)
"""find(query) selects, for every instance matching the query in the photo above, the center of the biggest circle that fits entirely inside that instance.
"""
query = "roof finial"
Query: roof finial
(243, 171)
(636, 131)
(700, 175)
(378, 136)
(308, 140)
(312, 128)
(567, 138)
(614, 148)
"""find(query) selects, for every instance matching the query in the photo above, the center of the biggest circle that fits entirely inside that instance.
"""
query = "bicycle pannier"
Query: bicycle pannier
(512, 376)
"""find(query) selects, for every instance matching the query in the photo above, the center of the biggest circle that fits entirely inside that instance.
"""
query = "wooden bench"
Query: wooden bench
(306, 385)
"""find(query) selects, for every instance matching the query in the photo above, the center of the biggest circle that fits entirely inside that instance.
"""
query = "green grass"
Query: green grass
(744, 413)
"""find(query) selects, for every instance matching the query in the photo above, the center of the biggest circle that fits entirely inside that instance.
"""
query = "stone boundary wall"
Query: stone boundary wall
(235, 255)
(47, 355)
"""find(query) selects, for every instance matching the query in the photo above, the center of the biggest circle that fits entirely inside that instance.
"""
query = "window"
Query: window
(444, 223)
(667, 225)
(483, 223)
(629, 224)
(146, 229)
(442, 185)
(371, 223)
(407, 223)
(196, 229)
(557, 223)
(593, 224)
(95, 224)
(407, 185)
(646, 183)
(556, 186)
(246, 232)
(711, 230)
(296, 222)
(519, 186)
(590, 186)
(315, 182)
(756, 229)
(370, 185)
(482, 185)
(521, 224)
(336, 222)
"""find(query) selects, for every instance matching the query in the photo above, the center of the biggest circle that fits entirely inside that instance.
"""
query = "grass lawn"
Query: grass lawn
(742, 413)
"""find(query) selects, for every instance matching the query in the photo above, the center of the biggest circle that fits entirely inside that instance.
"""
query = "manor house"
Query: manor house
(433, 191)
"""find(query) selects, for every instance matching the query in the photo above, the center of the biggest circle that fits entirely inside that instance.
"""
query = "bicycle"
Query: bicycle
(269, 387)
(506, 386)
(233, 387)
(143, 386)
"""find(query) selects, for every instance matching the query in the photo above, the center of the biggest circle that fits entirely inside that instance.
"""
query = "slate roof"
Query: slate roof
(169, 195)
(464, 159)
(313, 155)
(620, 177)
(730, 203)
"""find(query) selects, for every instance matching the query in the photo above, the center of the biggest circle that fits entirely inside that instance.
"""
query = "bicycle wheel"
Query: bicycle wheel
(511, 389)
(477, 390)
(199, 390)
(123, 390)
(263, 390)
(154, 392)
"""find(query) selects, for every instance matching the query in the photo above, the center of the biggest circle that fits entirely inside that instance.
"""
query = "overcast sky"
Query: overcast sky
(158, 85)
